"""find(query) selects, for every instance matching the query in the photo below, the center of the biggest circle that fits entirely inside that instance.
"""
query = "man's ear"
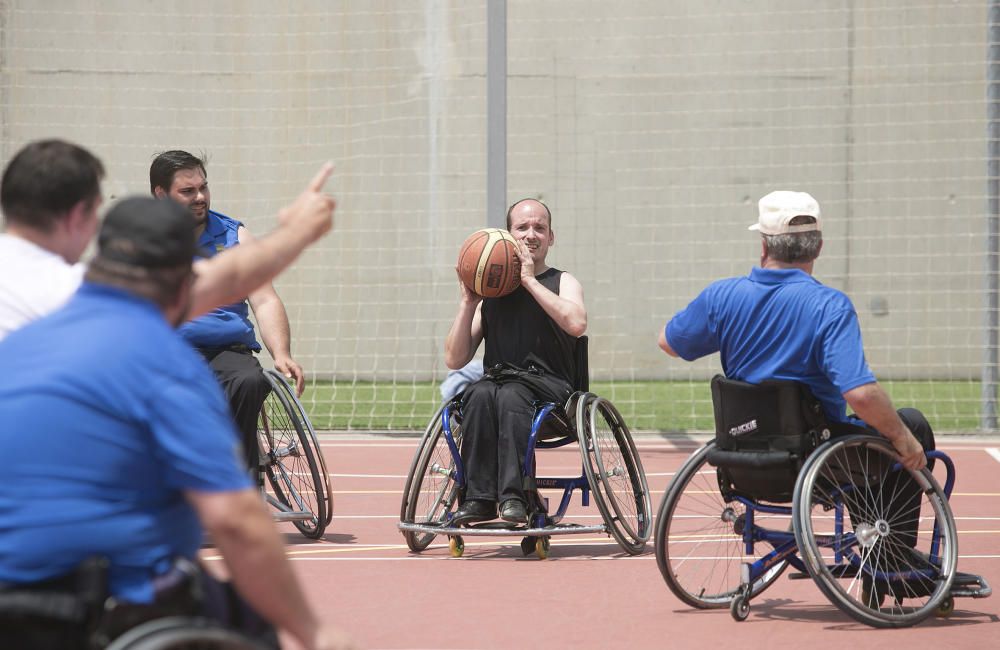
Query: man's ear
(159, 192)
(79, 215)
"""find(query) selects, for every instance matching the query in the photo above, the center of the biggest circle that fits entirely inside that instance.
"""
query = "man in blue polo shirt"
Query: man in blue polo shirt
(125, 448)
(225, 336)
(781, 323)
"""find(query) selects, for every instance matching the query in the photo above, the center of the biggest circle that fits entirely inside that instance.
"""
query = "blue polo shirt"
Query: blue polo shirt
(230, 324)
(108, 417)
(777, 324)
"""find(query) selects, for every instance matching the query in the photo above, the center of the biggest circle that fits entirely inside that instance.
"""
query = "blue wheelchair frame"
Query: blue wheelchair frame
(786, 548)
(567, 485)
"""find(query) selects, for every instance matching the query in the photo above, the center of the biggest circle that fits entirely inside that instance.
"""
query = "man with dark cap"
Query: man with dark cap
(127, 449)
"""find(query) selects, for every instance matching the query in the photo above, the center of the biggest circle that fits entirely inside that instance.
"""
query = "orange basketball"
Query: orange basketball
(488, 263)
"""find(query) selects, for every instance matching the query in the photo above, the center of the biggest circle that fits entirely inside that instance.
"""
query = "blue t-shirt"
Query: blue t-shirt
(230, 324)
(108, 417)
(777, 324)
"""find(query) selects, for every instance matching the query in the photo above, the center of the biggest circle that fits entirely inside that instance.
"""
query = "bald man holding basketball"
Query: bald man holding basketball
(530, 339)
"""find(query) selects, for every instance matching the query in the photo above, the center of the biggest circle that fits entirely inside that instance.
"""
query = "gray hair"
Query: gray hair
(794, 248)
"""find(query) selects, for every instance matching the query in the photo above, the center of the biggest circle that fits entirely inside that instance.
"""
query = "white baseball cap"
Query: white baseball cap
(777, 209)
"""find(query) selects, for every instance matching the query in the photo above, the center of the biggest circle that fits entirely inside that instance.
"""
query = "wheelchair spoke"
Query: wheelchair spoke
(614, 469)
(698, 549)
(887, 580)
(291, 461)
(431, 492)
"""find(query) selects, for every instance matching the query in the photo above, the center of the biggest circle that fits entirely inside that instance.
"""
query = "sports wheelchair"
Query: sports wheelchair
(878, 540)
(612, 473)
(292, 462)
(76, 612)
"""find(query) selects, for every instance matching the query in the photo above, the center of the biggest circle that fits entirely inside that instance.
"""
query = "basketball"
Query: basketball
(488, 263)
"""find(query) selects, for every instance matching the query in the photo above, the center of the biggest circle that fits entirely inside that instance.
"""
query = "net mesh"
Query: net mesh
(649, 128)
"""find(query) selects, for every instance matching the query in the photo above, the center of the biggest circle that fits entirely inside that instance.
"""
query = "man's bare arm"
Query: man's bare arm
(235, 273)
(242, 530)
(872, 404)
(466, 331)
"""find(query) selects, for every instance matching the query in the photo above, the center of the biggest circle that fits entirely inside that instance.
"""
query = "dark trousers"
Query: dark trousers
(246, 388)
(898, 495)
(496, 423)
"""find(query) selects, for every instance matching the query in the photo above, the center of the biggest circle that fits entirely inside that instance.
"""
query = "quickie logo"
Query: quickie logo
(743, 429)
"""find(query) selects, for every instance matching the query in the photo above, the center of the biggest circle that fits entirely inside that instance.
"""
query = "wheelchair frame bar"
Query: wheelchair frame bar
(483, 530)
(452, 447)
(785, 546)
(567, 485)
(284, 513)
(536, 423)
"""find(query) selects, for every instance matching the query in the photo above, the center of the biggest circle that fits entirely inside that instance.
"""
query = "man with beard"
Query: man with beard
(51, 195)
(225, 336)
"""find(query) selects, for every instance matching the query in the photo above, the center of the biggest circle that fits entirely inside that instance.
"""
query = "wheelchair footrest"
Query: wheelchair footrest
(839, 571)
(500, 529)
(967, 585)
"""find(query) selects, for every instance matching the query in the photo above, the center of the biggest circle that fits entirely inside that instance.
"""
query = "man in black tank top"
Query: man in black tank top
(530, 336)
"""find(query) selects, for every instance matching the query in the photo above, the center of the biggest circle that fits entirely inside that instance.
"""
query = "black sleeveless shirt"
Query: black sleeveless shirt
(518, 332)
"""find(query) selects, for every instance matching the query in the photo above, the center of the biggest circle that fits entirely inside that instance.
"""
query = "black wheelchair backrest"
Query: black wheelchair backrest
(769, 416)
(763, 433)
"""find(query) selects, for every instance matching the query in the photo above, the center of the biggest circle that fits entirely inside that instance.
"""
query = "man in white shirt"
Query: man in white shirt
(50, 195)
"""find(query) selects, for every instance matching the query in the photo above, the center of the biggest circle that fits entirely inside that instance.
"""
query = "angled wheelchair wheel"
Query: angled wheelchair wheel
(431, 493)
(699, 544)
(879, 540)
(310, 432)
(291, 459)
(183, 633)
(613, 469)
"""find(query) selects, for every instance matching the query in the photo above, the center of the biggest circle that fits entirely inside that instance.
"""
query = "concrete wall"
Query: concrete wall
(650, 128)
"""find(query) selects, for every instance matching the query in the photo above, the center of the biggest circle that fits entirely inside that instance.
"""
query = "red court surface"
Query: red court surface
(589, 593)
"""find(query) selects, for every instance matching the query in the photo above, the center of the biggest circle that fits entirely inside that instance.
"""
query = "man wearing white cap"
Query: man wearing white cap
(781, 323)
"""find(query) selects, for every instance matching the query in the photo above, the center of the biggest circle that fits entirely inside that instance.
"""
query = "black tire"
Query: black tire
(183, 633)
(276, 379)
(614, 471)
(430, 493)
(859, 476)
(698, 549)
(290, 459)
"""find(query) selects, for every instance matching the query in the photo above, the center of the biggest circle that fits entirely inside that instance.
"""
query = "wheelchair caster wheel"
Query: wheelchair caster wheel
(456, 545)
(740, 608)
(945, 609)
(542, 547)
(527, 545)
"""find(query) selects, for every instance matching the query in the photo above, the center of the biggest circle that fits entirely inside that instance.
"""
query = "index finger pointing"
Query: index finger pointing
(319, 180)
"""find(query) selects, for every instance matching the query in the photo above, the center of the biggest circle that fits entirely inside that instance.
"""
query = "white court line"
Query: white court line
(574, 558)
(993, 451)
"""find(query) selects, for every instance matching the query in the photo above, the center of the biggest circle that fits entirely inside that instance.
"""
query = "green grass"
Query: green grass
(951, 406)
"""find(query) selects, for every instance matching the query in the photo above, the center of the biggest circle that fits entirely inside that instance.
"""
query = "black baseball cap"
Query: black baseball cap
(149, 233)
